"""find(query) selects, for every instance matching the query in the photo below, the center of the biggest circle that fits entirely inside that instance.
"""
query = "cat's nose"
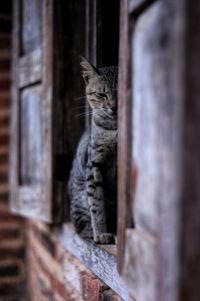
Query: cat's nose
(114, 109)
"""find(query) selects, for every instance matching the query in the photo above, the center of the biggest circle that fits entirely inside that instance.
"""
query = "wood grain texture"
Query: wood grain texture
(157, 95)
(190, 201)
(46, 207)
(30, 68)
(32, 114)
(124, 132)
(31, 139)
(155, 114)
(31, 30)
(141, 263)
(14, 154)
(102, 263)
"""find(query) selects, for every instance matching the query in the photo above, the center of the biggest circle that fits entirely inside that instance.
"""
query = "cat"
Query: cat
(92, 186)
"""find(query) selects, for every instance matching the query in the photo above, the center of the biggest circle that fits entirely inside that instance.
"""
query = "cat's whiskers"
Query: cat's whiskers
(79, 107)
(80, 98)
(84, 114)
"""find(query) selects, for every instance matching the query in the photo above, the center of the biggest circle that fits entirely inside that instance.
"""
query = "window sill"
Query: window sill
(100, 259)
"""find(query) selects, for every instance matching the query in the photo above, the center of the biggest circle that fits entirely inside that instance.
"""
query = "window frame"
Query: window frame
(29, 200)
(85, 250)
(101, 259)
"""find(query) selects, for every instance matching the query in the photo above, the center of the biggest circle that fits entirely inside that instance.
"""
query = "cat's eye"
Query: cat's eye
(101, 95)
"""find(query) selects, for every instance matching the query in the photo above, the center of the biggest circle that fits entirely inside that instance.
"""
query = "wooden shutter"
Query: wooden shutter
(159, 43)
(34, 138)
(124, 132)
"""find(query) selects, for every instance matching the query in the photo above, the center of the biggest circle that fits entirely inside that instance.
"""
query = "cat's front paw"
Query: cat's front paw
(104, 238)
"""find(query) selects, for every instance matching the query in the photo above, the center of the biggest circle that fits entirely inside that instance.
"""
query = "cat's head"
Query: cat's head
(101, 89)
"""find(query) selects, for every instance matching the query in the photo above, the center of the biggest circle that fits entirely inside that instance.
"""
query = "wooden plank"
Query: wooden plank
(155, 153)
(31, 136)
(124, 132)
(14, 154)
(31, 34)
(27, 205)
(30, 68)
(157, 95)
(36, 143)
(27, 196)
(190, 205)
(141, 263)
(47, 164)
(102, 263)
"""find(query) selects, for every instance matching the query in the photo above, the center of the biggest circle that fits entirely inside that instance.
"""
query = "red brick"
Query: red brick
(9, 270)
(4, 150)
(3, 177)
(11, 289)
(4, 101)
(7, 234)
(5, 98)
(5, 54)
(4, 112)
(60, 288)
(9, 253)
(92, 287)
(4, 189)
(5, 65)
(4, 130)
(4, 121)
(3, 198)
(4, 140)
(12, 271)
(7, 217)
(3, 159)
(5, 41)
(45, 239)
(5, 84)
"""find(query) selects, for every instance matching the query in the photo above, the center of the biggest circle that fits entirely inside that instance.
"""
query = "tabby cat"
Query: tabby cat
(92, 185)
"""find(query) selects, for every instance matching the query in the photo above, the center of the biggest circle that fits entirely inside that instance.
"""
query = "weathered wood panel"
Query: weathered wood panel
(14, 126)
(31, 29)
(157, 96)
(124, 133)
(30, 68)
(190, 211)
(50, 208)
(101, 262)
(155, 149)
(142, 264)
(31, 136)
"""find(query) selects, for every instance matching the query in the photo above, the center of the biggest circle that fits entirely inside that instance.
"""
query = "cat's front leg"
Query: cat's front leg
(96, 204)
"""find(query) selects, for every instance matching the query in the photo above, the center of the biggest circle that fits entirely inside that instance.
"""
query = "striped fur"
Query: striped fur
(92, 185)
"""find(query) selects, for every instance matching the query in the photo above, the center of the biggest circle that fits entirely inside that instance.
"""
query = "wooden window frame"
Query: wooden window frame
(105, 265)
(27, 200)
(147, 256)
(102, 260)
(127, 172)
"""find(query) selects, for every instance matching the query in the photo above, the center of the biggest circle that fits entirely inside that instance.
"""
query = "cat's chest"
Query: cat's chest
(106, 140)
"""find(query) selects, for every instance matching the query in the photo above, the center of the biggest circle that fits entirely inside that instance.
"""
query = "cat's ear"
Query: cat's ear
(88, 70)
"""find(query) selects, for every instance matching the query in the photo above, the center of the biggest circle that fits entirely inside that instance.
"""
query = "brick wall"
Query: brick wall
(12, 236)
(55, 274)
